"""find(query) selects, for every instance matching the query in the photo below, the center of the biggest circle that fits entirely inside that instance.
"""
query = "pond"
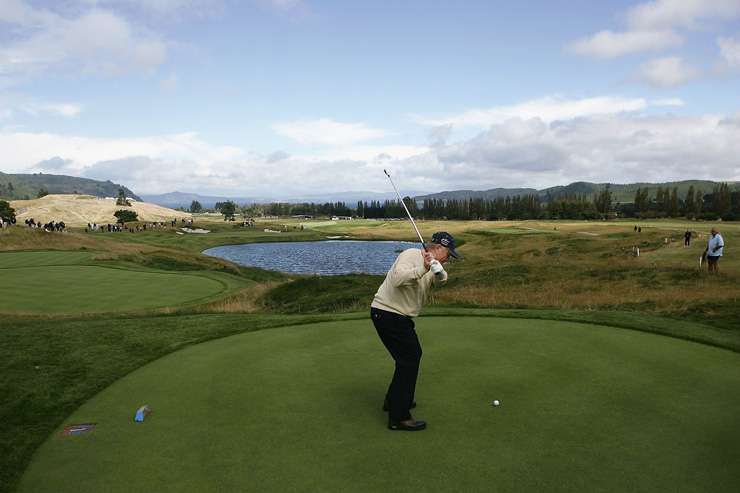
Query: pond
(328, 258)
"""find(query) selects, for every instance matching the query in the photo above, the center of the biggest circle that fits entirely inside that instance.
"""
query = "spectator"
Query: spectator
(715, 248)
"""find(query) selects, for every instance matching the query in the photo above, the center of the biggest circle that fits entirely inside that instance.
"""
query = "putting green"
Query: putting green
(584, 408)
(51, 282)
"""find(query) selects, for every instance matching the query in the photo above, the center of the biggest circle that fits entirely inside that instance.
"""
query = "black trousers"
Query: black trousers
(399, 337)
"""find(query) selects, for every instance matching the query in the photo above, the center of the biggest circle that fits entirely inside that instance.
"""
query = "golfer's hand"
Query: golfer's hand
(437, 268)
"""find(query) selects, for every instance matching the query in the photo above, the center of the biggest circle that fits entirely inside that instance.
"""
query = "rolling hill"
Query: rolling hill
(620, 192)
(78, 210)
(27, 186)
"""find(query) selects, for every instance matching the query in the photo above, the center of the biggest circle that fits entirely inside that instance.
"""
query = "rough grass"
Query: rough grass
(323, 294)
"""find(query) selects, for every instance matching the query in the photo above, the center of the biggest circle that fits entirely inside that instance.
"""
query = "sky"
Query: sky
(278, 98)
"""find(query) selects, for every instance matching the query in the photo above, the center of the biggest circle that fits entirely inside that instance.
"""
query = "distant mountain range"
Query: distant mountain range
(620, 192)
(184, 199)
(27, 186)
(20, 186)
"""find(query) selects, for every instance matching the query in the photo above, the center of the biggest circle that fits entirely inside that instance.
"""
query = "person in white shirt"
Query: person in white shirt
(715, 249)
(397, 301)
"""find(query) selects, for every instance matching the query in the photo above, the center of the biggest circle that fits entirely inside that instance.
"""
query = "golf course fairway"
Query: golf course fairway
(583, 408)
(61, 282)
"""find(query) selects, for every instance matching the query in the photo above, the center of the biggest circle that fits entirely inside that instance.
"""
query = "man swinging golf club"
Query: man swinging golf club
(397, 301)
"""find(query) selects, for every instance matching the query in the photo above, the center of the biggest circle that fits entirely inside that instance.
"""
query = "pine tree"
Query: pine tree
(722, 200)
(688, 202)
(673, 203)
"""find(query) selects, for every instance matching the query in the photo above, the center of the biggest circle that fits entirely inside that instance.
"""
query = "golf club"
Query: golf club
(407, 210)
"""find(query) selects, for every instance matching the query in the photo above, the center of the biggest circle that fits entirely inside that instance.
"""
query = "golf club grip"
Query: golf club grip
(421, 239)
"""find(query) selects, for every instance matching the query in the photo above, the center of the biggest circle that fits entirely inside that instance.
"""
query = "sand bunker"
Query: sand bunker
(78, 210)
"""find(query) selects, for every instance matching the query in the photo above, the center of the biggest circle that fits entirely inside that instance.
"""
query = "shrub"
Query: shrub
(125, 216)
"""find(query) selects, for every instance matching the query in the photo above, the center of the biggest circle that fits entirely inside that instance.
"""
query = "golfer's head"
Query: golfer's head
(714, 231)
(443, 246)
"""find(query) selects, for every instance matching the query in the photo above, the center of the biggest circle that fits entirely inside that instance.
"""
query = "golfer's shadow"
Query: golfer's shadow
(363, 400)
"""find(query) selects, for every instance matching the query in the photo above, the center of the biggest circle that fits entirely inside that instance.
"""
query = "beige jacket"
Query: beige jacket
(407, 285)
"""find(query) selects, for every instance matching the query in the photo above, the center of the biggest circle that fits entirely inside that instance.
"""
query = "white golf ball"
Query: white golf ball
(496, 402)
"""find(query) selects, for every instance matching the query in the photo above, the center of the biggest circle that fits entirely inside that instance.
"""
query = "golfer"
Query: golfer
(397, 302)
(715, 247)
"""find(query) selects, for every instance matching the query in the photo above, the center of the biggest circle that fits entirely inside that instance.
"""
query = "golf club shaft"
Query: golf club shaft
(421, 239)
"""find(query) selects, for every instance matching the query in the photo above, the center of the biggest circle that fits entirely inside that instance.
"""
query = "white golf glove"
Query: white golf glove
(437, 269)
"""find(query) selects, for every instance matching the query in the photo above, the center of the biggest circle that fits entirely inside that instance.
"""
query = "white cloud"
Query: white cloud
(60, 109)
(730, 50)
(652, 26)
(621, 147)
(12, 103)
(439, 135)
(548, 109)
(609, 44)
(95, 41)
(358, 152)
(283, 5)
(668, 14)
(31, 148)
(667, 72)
(328, 132)
(667, 102)
(615, 148)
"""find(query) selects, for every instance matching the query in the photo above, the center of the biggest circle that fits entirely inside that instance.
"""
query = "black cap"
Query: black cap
(446, 240)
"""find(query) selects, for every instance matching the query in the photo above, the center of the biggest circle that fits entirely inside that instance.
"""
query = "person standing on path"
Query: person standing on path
(398, 300)
(687, 238)
(715, 249)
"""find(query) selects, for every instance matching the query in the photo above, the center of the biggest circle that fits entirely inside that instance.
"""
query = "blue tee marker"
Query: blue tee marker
(142, 413)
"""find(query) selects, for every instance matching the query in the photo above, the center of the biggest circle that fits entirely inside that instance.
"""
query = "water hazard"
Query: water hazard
(326, 258)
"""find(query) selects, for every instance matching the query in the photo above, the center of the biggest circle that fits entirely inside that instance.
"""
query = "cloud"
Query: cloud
(283, 5)
(652, 26)
(439, 135)
(618, 147)
(667, 102)
(669, 14)
(12, 103)
(667, 72)
(31, 148)
(93, 42)
(615, 148)
(609, 44)
(54, 165)
(277, 156)
(730, 51)
(327, 132)
(548, 109)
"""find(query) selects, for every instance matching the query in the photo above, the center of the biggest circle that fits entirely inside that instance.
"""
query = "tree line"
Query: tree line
(664, 202)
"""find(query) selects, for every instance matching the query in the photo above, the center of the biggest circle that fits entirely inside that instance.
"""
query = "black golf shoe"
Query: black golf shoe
(387, 408)
(411, 425)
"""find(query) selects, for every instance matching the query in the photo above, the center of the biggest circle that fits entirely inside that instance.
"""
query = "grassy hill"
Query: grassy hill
(620, 192)
(27, 186)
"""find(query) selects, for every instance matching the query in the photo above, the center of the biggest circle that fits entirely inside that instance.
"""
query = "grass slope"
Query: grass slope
(58, 282)
(584, 408)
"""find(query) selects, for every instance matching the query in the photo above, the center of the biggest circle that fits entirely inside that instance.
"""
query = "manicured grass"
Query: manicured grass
(40, 282)
(48, 368)
(584, 408)
(10, 260)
